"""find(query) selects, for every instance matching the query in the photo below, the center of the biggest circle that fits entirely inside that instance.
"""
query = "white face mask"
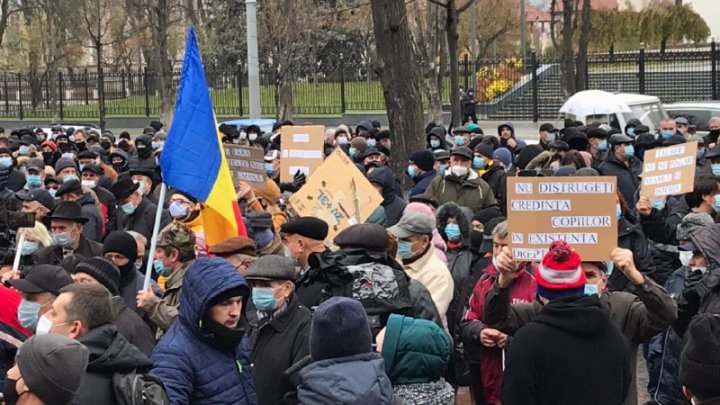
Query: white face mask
(685, 258)
(459, 171)
(43, 326)
(89, 183)
(252, 136)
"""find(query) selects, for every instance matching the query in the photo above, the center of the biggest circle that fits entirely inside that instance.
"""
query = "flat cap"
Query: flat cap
(461, 130)
(367, 236)
(260, 219)
(271, 267)
(92, 167)
(72, 186)
(309, 227)
(681, 120)
(547, 127)
(42, 278)
(618, 139)
(37, 194)
(413, 223)
(235, 245)
(425, 198)
(36, 164)
(462, 152)
(441, 154)
(178, 236)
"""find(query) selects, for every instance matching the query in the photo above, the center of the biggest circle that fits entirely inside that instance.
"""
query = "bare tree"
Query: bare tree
(572, 65)
(428, 40)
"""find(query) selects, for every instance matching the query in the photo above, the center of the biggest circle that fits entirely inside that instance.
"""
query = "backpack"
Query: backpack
(139, 389)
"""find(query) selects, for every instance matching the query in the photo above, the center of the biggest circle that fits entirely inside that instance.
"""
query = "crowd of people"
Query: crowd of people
(420, 300)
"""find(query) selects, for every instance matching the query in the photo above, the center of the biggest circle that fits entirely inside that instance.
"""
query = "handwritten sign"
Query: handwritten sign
(579, 210)
(302, 150)
(669, 171)
(246, 164)
(340, 201)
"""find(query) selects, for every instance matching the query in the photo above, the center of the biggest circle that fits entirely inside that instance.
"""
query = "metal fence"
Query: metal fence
(507, 89)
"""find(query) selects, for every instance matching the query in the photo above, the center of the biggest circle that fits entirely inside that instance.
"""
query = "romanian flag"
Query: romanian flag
(193, 159)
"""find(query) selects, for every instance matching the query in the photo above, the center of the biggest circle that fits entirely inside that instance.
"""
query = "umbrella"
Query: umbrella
(594, 102)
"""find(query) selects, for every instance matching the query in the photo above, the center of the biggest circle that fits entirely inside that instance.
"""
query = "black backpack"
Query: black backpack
(139, 389)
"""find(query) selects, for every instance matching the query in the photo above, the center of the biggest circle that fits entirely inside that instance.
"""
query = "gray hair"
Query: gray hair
(139, 238)
(714, 119)
(501, 230)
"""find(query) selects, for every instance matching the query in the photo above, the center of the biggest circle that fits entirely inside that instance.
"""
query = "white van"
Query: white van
(648, 109)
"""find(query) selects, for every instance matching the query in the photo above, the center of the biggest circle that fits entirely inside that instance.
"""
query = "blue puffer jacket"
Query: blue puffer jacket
(353, 380)
(192, 369)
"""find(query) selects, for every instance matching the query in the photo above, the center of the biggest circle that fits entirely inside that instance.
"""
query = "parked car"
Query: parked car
(698, 113)
(265, 124)
(614, 109)
(47, 128)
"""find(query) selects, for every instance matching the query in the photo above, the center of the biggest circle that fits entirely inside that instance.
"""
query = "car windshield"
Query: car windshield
(649, 114)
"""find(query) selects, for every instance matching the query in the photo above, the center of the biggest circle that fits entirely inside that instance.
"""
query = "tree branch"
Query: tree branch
(465, 6)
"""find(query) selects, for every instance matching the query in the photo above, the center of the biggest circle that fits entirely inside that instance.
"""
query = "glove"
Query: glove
(299, 179)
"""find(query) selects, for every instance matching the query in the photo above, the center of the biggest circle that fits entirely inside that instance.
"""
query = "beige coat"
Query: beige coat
(432, 273)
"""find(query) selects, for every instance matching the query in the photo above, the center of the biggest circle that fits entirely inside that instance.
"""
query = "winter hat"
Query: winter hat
(700, 359)
(359, 143)
(565, 171)
(692, 222)
(49, 143)
(503, 156)
(586, 171)
(121, 242)
(339, 328)
(424, 159)
(559, 274)
(102, 270)
(53, 367)
(527, 154)
(64, 163)
(485, 150)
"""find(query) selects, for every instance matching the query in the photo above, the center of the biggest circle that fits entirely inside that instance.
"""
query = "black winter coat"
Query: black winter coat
(496, 178)
(110, 353)
(93, 228)
(278, 343)
(143, 219)
(393, 205)
(631, 237)
(53, 254)
(132, 327)
(628, 177)
(561, 355)
(16, 180)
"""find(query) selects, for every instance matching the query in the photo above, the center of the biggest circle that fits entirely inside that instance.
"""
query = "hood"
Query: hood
(205, 279)
(443, 144)
(707, 240)
(110, 352)
(580, 316)
(463, 215)
(383, 175)
(415, 350)
(119, 152)
(353, 380)
(632, 122)
(509, 125)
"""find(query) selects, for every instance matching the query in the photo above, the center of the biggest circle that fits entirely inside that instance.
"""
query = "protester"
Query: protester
(437, 240)
(267, 240)
(622, 163)
(91, 176)
(120, 248)
(94, 226)
(302, 237)
(66, 225)
(699, 362)
(239, 251)
(185, 208)
(137, 212)
(384, 182)
(421, 171)
(204, 358)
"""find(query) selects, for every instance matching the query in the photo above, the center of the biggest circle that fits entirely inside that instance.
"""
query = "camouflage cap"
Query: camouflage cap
(178, 236)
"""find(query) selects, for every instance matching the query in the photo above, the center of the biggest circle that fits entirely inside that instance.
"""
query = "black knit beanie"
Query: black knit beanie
(339, 328)
(700, 359)
(123, 243)
(102, 270)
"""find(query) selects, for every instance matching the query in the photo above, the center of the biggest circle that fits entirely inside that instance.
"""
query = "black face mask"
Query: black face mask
(119, 167)
(476, 239)
(80, 146)
(143, 152)
(10, 394)
(105, 145)
(64, 147)
(47, 157)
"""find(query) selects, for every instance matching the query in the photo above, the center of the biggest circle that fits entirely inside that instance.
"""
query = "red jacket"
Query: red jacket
(523, 289)
(9, 303)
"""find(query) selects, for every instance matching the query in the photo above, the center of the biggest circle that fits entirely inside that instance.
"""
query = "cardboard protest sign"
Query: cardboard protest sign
(302, 149)
(580, 210)
(669, 171)
(247, 163)
(338, 193)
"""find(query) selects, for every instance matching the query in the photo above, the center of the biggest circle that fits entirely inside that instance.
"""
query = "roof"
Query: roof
(632, 98)
(694, 104)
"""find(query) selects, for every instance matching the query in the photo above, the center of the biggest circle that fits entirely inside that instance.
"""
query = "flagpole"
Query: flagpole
(156, 231)
(18, 251)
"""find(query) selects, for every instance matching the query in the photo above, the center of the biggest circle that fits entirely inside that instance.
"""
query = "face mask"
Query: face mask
(68, 155)
(23, 150)
(52, 191)
(243, 135)
(459, 140)
(263, 238)
(434, 143)
(128, 208)
(28, 313)
(411, 171)
(685, 258)
(10, 395)
(160, 268)
(630, 131)
(591, 289)
(618, 212)
(69, 177)
(29, 248)
(45, 325)
(666, 134)
(89, 183)
(702, 270)
(178, 210)
(715, 169)
(33, 180)
(610, 267)
(105, 145)
(269, 168)
(264, 299)
(252, 137)
(138, 266)
(341, 140)
(717, 203)
(157, 144)
(459, 171)
(452, 231)
(551, 136)
(478, 162)
(629, 151)
(443, 168)
(405, 249)
(352, 151)
(372, 142)
(602, 145)
(62, 239)
(700, 154)
(657, 204)
(6, 161)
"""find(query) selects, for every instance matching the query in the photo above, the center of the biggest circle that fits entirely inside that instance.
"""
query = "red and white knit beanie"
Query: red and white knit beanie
(560, 269)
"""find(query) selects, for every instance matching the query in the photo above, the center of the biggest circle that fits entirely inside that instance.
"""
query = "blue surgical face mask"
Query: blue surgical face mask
(405, 249)
(459, 140)
(610, 267)
(352, 151)
(81, 166)
(618, 211)
(264, 299)
(160, 268)
(630, 132)
(717, 203)
(178, 210)
(715, 167)
(551, 136)
(452, 231)
(411, 171)
(666, 133)
(128, 208)
(69, 177)
(29, 248)
(28, 313)
(434, 143)
(658, 204)
(372, 142)
(63, 239)
(591, 289)
(629, 151)
(269, 168)
(68, 155)
(443, 168)
(700, 154)
(478, 162)
(23, 150)
(157, 144)
(6, 161)
(602, 145)
(33, 180)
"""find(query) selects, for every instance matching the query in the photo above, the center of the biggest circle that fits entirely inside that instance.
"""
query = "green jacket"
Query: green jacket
(472, 192)
(416, 351)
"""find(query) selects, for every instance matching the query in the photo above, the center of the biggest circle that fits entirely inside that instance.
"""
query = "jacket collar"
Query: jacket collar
(281, 321)
(421, 261)
(175, 281)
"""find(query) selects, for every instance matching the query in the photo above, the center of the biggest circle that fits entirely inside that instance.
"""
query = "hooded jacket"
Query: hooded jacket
(193, 369)
(631, 237)
(125, 165)
(520, 144)
(569, 354)
(393, 204)
(421, 182)
(94, 228)
(353, 380)
(443, 144)
(628, 176)
(471, 192)
(110, 353)
(146, 160)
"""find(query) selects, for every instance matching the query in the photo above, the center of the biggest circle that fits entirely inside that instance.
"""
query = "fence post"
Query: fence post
(534, 65)
(343, 102)
(147, 92)
(124, 88)
(60, 92)
(641, 71)
(466, 62)
(47, 92)
(238, 79)
(713, 71)
(587, 74)
(7, 96)
(87, 87)
(21, 113)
